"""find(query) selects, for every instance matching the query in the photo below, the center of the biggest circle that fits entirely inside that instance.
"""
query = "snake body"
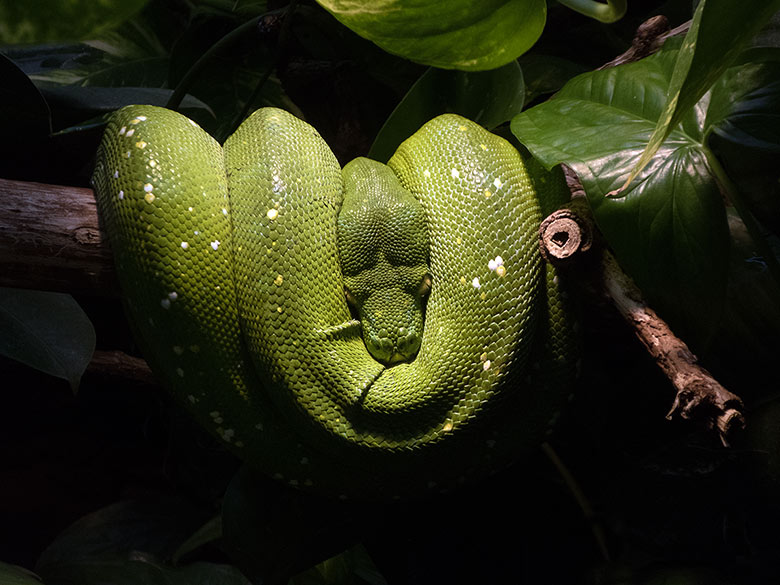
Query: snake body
(229, 259)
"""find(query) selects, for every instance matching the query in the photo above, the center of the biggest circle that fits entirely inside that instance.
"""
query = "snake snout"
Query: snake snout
(388, 349)
(392, 326)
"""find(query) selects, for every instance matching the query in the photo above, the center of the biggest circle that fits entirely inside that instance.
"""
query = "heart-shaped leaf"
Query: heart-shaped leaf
(458, 34)
(39, 21)
(669, 229)
(719, 31)
(47, 331)
(489, 98)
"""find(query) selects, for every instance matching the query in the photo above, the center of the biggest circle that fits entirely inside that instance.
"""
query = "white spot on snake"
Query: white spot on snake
(121, 194)
(224, 211)
(130, 132)
(427, 174)
(173, 295)
(455, 173)
(180, 372)
(259, 426)
(272, 214)
(486, 365)
(228, 434)
(122, 130)
(492, 264)
(149, 197)
(165, 304)
(497, 182)
(192, 399)
(475, 282)
(215, 244)
(116, 174)
(219, 420)
(152, 163)
(185, 245)
(178, 349)
(555, 279)
(499, 260)
(148, 187)
(140, 118)
(190, 209)
(127, 154)
(141, 144)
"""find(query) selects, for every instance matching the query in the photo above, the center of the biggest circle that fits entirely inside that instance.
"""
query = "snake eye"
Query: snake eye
(425, 285)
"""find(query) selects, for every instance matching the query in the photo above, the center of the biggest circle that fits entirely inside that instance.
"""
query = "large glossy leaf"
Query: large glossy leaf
(669, 228)
(745, 104)
(719, 31)
(123, 544)
(26, 122)
(47, 331)
(489, 98)
(39, 21)
(13, 575)
(271, 532)
(458, 34)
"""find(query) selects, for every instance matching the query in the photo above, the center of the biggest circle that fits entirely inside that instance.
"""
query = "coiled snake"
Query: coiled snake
(229, 259)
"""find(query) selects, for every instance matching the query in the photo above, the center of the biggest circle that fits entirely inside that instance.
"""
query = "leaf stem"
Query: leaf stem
(732, 193)
(186, 82)
(284, 33)
(612, 11)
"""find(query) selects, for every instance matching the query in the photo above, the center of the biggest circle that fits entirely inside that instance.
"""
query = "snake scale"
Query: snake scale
(229, 260)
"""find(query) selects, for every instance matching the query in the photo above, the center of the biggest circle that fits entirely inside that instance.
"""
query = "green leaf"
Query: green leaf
(209, 532)
(545, 74)
(718, 33)
(13, 575)
(458, 34)
(745, 104)
(89, 101)
(47, 331)
(668, 229)
(39, 21)
(352, 567)
(272, 532)
(489, 98)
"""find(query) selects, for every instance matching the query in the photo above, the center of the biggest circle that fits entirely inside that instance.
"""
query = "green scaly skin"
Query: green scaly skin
(229, 260)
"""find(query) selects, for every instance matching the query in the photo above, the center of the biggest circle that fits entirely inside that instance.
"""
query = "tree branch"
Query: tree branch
(50, 239)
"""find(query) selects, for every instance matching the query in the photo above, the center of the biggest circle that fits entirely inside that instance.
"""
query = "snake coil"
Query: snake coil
(229, 262)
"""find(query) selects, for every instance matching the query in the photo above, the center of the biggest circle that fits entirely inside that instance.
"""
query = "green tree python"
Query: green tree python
(377, 331)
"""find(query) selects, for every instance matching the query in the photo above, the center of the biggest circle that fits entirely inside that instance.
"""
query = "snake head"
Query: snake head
(392, 319)
(384, 251)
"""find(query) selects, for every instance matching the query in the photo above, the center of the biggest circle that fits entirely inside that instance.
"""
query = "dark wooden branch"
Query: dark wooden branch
(699, 395)
(649, 37)
(50, 239)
